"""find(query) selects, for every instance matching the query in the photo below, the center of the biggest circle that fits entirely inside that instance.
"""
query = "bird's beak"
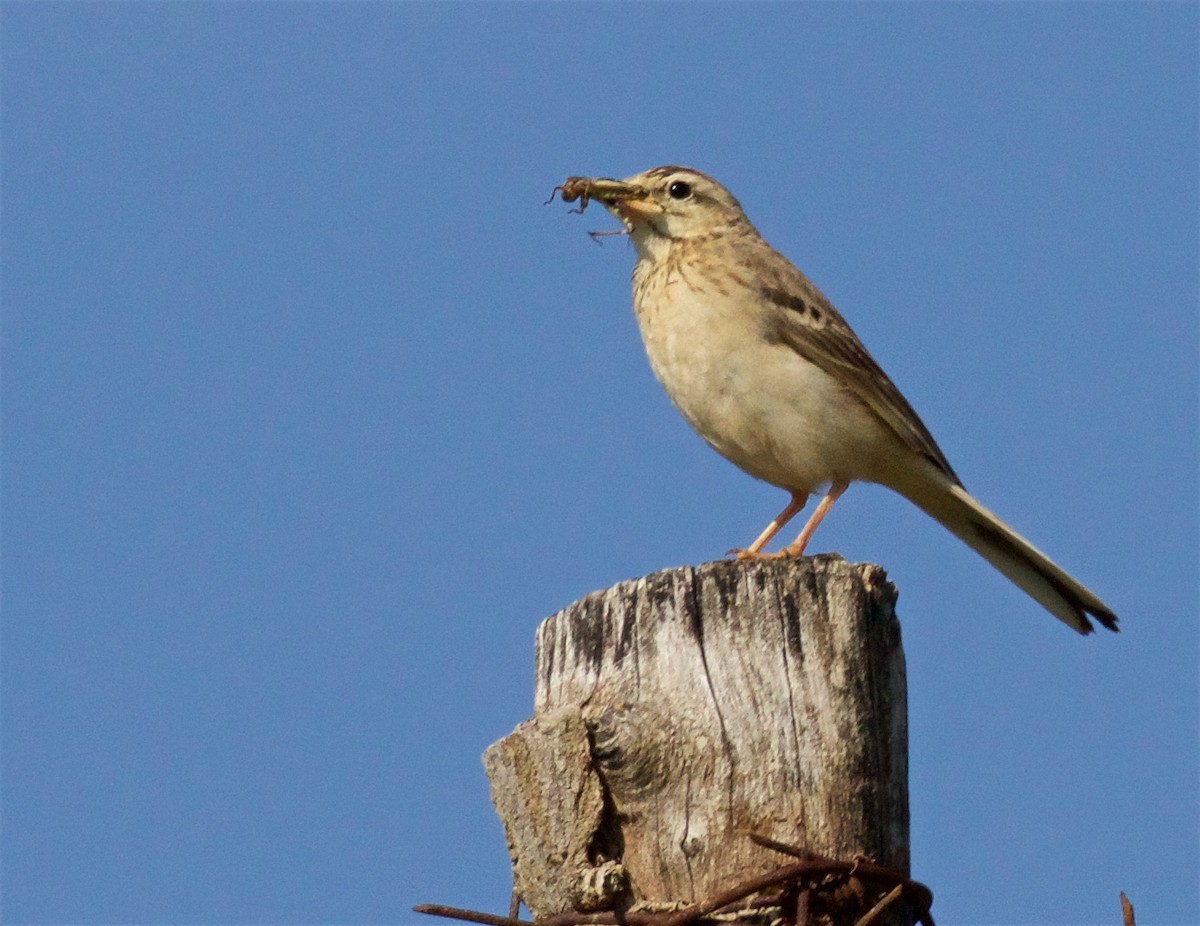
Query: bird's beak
(625, 200)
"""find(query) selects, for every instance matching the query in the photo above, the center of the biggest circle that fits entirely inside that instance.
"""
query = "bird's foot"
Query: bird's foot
(785, 553)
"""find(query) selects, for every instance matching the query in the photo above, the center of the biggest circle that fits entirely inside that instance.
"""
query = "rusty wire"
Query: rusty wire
(803, 885)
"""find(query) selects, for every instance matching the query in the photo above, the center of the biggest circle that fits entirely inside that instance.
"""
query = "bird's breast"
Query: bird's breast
(757, 402)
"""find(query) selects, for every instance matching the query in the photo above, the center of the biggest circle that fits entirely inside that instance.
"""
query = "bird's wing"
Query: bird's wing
(803, 319)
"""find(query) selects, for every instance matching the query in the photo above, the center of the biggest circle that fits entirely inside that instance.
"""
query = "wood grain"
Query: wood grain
(693, 706)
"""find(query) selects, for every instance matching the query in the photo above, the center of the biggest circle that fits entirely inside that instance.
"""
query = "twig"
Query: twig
(567, 918)
(1126, 910)
(470, 916)
(802, 907)
(871, 915)
(781, 847)
(736, 893)
(919, 894)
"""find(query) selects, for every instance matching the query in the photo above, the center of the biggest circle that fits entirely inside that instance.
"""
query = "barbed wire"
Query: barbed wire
(804, 893)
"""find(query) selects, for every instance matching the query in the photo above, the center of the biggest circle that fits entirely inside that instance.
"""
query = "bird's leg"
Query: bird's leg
(754, 550)
(796, 548)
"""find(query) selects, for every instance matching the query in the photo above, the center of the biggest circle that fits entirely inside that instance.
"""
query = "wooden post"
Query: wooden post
(677, 713)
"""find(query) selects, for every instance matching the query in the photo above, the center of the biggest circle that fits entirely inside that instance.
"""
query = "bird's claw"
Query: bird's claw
(743, 555)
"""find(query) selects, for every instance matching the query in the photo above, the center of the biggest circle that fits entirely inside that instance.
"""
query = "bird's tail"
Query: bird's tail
(1025, 565)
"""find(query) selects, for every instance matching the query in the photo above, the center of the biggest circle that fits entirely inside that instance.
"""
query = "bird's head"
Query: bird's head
(666, 204)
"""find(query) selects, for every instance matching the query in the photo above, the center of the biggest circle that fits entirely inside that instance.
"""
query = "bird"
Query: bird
(769, 374)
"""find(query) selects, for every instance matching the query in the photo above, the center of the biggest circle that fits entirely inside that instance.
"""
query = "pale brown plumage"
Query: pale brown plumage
(769, 373)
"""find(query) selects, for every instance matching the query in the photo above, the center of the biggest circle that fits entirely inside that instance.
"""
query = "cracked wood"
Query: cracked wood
(764, 696)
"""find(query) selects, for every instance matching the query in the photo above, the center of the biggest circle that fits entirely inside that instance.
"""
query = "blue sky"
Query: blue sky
(312, 411)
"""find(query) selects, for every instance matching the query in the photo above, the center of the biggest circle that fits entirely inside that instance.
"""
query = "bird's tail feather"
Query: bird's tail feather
(1019, 560)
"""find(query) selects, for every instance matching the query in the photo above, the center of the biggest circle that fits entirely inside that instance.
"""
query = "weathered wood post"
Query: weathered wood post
(678, 713)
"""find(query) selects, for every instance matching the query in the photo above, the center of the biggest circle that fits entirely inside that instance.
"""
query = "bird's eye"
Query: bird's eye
(680, 189)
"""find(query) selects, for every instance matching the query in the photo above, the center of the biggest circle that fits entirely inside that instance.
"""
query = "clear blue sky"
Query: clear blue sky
(312, 411)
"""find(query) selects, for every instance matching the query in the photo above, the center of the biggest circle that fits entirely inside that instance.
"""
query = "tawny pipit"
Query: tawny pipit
(770, 375)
